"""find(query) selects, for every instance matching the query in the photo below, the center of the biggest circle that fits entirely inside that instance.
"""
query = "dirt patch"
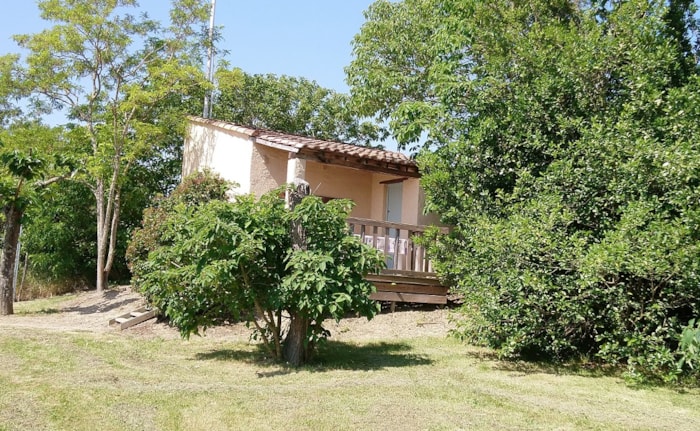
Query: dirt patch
(88, 311)
(91, 312)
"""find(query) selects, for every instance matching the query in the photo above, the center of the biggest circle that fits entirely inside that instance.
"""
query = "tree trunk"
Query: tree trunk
(101, 237)
(108, 201)
(13, 216)
(296, 345)
(100, 277)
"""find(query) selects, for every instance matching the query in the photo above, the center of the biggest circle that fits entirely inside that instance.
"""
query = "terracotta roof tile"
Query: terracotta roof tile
(223, 125)
(302, 142)
(306, 143)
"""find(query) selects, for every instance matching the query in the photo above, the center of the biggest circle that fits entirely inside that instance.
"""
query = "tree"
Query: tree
(55, 250)
(58, 252)
(110, 69)
(27, 167)
(219, 261)
(291, 105)
(29, 163)
(10, 88)
(559, 141)
(390, 76)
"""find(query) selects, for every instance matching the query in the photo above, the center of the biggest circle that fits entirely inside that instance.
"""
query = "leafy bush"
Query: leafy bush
(561, 143)
(58, 252)
(689, 348)
(234, 260)
(197, 189)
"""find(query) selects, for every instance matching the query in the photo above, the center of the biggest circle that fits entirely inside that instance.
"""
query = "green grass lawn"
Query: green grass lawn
(116, 381)
(49, 305)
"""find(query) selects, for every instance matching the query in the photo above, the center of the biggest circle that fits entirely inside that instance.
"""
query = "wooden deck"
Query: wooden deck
(409, 276)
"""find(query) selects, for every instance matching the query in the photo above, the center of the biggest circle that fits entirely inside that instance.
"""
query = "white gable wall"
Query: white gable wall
(224, 152)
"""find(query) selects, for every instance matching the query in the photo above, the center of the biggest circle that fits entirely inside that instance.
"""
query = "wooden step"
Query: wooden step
(133, 318)
(408, 286)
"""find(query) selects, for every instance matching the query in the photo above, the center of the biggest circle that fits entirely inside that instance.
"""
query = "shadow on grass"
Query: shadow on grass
(371, 356)
(527, 367)
(257, 356)
(107, 304)
(39, 312)
(331, 355)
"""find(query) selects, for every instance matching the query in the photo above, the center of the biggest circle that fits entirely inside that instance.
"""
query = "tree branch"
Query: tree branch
(48, 182)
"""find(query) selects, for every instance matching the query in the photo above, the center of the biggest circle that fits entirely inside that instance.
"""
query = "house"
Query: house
(384, 185)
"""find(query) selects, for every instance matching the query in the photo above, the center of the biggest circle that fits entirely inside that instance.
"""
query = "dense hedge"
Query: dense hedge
(562, 140)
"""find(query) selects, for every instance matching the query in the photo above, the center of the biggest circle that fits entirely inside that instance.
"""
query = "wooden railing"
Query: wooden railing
(396, 241)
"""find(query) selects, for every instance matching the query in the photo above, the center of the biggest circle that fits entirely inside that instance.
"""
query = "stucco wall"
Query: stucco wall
(198, 149)
(341, 182)
(223, 152)
(268, 169)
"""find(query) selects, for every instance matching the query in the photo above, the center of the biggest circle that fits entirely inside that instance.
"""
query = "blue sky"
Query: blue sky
(309, 38)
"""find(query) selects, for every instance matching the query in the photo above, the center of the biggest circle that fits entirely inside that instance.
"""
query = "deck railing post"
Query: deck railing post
(406, 255)
(411, 279)
(397, 245)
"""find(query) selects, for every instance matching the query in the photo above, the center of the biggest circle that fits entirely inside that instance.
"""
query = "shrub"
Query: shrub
(222, 260)
(196, 189)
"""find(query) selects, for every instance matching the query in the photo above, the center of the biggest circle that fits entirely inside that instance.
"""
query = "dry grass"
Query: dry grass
(31, 287)
(71, 380)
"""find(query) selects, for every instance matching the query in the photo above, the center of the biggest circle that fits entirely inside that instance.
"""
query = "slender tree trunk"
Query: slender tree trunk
(113, 225)
(108, 205)
(13, 216)
(100, 278)
(18, 293)
(107, 221)
(296, 344)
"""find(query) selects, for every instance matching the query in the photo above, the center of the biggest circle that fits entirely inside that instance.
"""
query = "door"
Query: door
(394, 201)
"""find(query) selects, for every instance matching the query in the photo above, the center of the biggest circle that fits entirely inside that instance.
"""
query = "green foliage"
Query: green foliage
(27, 168)
(56, 249)
(326, 279)
(11, 88)
(689, 346)
(291, 105)
(118, 76)
(564, 153)
(391, 64)
(61, 254)
(197, 189)
(29, 154)
(220, 261)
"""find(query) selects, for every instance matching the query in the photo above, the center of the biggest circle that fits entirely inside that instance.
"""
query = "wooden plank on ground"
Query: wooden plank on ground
(408, 297)
(133, 318)
(138, 319)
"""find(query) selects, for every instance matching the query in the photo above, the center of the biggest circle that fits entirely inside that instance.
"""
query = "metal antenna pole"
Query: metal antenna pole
(210, 63)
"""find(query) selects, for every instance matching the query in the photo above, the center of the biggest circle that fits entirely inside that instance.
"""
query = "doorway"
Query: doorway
(394, 202)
